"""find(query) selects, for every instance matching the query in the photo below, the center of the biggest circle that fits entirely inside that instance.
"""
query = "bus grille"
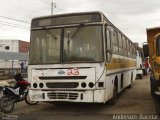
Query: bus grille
(70, 96)
(62, 85)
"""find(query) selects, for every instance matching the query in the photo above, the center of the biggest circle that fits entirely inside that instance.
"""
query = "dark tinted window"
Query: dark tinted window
(7, 47)
(63, 20)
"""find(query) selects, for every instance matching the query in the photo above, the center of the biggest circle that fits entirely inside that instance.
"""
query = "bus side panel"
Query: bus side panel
(109, 87)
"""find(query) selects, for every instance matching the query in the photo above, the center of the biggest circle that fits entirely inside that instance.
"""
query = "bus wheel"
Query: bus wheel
(130, 86)
(158, 108)
(140, 76)
(113, 100)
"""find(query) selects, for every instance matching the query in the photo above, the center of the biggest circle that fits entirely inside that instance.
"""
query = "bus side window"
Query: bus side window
(124, 45)
(134, 55)
(115, 42)
(120, 44)
(127, 47)
(132, 51)
(108, 33)
(108, 43)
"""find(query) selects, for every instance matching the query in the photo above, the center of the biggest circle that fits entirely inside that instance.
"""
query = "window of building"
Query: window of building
(7, 47)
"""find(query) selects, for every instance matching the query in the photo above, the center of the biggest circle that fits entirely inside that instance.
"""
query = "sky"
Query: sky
(132, 17)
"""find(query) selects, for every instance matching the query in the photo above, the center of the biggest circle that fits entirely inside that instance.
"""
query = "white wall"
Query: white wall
(13, 45)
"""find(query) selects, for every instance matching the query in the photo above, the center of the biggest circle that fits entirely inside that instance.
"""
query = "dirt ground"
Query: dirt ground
(133, 101)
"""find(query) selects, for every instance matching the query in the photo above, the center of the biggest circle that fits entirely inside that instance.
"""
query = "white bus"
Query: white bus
(79, 57)
(139, 64)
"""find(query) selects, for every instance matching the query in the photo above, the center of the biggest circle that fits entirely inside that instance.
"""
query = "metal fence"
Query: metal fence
(9, 59)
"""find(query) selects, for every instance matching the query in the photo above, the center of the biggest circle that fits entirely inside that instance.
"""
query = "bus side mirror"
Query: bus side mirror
(145, 50)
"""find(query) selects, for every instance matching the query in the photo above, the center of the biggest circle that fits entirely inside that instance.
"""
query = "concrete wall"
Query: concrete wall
(9, 45)
(23, 46)
(14, 46)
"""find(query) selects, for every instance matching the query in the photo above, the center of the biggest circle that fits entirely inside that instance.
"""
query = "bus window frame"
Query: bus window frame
(108, 31)
(115, 47)
(62, 47)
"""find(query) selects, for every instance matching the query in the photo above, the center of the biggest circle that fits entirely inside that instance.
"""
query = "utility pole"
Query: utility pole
(53, 5)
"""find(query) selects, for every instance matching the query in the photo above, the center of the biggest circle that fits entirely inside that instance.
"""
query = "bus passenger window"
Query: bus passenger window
(108, 44)
(120, 40)
(108, 40)
(115, 42)
(120, 44)
(127, 48)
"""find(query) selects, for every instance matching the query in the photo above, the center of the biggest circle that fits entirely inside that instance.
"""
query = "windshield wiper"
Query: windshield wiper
(68, 40)
(52, 35)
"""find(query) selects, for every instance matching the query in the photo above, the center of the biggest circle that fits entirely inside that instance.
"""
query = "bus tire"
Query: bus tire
(28, 101)
(130, 86)
(140, 76)
(113, 100)
(157, 102)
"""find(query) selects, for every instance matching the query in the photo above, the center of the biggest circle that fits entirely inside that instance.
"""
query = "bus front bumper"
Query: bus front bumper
(88, 96)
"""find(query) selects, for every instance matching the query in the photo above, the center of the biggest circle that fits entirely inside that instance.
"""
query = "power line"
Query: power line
(14, 26)
(14, 12)
(15, 19)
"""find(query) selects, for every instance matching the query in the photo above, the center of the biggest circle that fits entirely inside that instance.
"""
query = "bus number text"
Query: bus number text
(72, 72)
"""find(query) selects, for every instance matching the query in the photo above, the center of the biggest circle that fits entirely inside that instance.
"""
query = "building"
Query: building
(18, 46)
(12, 54)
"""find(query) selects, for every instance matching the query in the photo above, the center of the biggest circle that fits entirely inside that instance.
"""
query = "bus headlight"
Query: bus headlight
(83, 85)
(91, 85)
(35, 85)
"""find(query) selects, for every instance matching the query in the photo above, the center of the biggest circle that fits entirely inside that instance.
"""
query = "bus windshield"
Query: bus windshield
(80, 44)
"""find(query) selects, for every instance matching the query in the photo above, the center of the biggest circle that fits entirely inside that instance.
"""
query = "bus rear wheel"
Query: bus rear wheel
(113, 100)
(140, 76)
(130, 86)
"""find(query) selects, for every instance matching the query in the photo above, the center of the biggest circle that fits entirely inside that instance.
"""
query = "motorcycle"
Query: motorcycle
(12, 95)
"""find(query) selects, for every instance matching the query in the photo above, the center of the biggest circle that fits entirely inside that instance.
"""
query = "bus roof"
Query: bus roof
(67, 14)
(81, 13)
